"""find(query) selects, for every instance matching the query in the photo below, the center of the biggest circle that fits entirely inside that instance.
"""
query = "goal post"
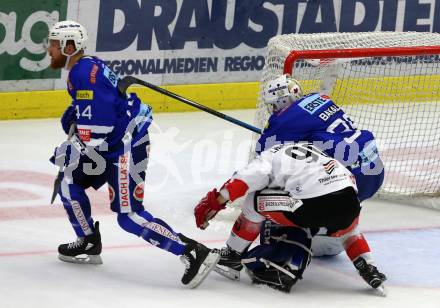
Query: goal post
(388, 83)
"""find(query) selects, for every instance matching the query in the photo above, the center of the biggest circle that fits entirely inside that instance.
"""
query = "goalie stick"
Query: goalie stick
(235, 275)
(127, 81)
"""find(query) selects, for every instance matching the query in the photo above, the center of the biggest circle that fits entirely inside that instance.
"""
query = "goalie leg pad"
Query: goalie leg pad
(281, 258)
(273, 278)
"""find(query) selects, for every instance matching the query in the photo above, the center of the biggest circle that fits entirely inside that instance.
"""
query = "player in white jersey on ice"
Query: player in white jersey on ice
(294, 185)
(316, 118)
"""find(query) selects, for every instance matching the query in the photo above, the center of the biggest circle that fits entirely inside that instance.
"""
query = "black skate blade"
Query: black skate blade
(205, 268)
(228, 273)
(81, 259)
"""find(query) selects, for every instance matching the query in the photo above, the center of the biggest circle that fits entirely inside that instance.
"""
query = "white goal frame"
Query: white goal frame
(403, 48)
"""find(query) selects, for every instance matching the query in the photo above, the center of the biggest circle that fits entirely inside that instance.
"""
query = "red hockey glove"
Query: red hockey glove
(207, 208)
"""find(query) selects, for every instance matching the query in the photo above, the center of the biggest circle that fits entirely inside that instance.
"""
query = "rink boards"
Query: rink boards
(243, 95)
(50, 104)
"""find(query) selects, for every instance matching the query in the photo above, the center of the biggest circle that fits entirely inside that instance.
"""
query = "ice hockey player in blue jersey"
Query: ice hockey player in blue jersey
(316, 118)
(110, 145)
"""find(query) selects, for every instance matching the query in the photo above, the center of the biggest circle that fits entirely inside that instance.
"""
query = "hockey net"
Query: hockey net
(388, 83)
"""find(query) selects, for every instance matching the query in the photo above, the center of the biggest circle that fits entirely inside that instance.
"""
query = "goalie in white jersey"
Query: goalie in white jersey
(294, 185)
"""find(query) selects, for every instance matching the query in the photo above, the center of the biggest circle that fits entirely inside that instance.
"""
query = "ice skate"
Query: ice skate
(229, 265)
(199, 261)
(85, 250)
(371, 275)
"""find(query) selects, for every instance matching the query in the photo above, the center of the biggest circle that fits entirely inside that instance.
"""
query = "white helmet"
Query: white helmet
(68, 30)
(282, 91)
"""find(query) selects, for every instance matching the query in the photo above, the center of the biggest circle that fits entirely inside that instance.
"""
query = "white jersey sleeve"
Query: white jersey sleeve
(301, 169)
(257, 173)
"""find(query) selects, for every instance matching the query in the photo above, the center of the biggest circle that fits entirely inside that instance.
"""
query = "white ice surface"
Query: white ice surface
(191, 153)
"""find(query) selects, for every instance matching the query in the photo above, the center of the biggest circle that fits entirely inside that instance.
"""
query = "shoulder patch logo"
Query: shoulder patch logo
(313, 103)
(111, 76)
(84, 95)
(330, 166)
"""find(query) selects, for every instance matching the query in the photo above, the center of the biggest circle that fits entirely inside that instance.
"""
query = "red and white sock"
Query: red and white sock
(243, 234)
(356, 246)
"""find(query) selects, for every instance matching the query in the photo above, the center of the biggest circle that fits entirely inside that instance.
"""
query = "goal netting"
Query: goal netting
(387, 82)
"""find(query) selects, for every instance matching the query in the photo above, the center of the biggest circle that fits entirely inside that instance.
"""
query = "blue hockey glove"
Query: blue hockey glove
(68, 117)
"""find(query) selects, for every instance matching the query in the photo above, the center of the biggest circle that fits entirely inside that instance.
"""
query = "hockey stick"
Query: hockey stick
(57, 182)
(127, 81)
(235, 275)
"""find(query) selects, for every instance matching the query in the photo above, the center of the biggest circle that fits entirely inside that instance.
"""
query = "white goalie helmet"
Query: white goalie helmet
(68, 30)
(282, 91)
